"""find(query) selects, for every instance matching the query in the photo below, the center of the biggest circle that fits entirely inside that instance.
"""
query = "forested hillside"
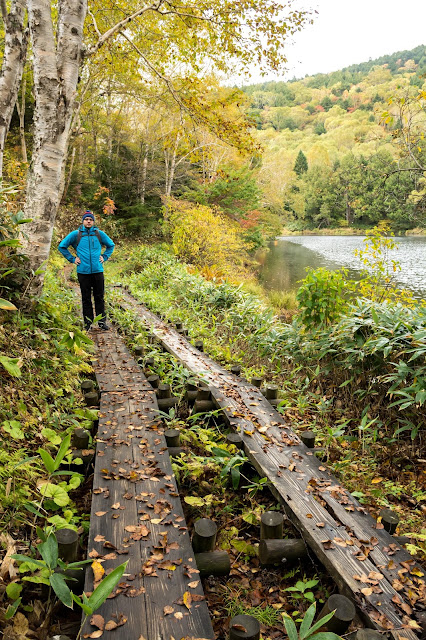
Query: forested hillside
(345, 148)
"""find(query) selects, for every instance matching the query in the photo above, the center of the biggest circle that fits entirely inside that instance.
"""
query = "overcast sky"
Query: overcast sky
(346, 32)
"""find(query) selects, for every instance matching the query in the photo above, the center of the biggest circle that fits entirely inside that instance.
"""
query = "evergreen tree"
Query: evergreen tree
(301, 164)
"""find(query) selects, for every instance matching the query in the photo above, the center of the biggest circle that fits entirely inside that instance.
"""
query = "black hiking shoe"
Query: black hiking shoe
(103, 326)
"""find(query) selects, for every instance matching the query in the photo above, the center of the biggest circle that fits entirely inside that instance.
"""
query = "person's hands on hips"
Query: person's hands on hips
(101, 259)
(77, 260)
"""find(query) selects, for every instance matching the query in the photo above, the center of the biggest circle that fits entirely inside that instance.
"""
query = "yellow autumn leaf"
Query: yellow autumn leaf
(98, 571)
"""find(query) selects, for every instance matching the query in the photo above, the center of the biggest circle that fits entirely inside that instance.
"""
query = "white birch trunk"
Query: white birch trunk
(144, 170)
(15, 51)
(56, 70)
(21, 113)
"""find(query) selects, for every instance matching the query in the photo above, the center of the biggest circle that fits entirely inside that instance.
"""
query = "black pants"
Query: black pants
(92, 282)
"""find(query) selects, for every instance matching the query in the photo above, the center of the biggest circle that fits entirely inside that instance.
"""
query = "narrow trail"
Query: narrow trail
(366, 562)
(136, 513)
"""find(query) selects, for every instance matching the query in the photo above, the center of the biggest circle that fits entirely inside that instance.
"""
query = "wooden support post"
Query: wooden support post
(164, 404)
(244, 627)
(203, 406)
(191, 391)
(148, 366)
(175, 452)
(204, 536)
(271, 525)
(164, 391)
(271, 392)
(199, 345)
(92, 399)
(172, 437)
(86, 386)
(154, 381)
(236, 369)
(257, 381)
(80, 438)
(67, 544)
(236, 439)
(213, 563)
(308, 439)
(86, 455)
(204, 393)
(139, 350)
(278, 551)
(343, 616)
(390, 520)
(178, 324)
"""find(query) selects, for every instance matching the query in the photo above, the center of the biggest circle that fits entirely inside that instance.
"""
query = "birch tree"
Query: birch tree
(15, 49)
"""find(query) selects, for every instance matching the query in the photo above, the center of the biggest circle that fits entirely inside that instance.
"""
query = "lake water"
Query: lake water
(289, 256)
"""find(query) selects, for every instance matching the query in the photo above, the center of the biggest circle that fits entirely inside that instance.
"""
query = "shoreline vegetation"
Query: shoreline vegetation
(347, 231)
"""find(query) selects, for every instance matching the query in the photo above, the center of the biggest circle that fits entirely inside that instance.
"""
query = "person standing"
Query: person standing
(88, 241)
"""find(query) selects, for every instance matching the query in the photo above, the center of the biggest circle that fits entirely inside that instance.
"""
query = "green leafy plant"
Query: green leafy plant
(302, 589)
(322, 297)
(307, 629)
(231, 463)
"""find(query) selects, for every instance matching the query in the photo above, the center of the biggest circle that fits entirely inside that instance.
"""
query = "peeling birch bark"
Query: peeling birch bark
(56, 72)
(15, 51)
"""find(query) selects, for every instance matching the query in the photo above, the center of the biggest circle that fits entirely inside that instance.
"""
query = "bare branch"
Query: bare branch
(95, 24)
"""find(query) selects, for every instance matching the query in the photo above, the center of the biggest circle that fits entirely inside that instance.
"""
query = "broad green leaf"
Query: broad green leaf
(65, 445)
(51, 436)
(12, 608)
(320, 623)
(47, 460)
(106, 587)
(13, 428)
(13, 590)
(58, 494)
(290, 627)
(194, 501)
(6, 305)
(326, 635)
(307, 621)
(11, 366)
(61, 589)
(49, 551)
(28, 561)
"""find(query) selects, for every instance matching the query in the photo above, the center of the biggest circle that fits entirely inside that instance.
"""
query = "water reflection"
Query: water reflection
(286, 262)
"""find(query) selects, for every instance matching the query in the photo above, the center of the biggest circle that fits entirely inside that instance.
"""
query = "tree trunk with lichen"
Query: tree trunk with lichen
(57, 58)
(15, 51)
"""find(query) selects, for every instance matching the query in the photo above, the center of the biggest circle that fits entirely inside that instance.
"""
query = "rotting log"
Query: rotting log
(203, 406)
(204, 536)
(280, 551)
(271, 525)
(213, 563)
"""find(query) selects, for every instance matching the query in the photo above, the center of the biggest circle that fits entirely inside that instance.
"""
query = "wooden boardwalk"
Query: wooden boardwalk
(137, 515)
(365, 561)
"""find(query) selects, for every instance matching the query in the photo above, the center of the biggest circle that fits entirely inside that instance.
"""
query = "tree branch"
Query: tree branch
(120, 25)
(94, 23)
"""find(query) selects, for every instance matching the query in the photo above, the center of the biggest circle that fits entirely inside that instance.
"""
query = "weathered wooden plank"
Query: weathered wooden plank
(137, 516)
(339, 530)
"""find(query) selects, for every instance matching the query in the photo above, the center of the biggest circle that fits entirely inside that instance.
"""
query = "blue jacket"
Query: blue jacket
(89, 249)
